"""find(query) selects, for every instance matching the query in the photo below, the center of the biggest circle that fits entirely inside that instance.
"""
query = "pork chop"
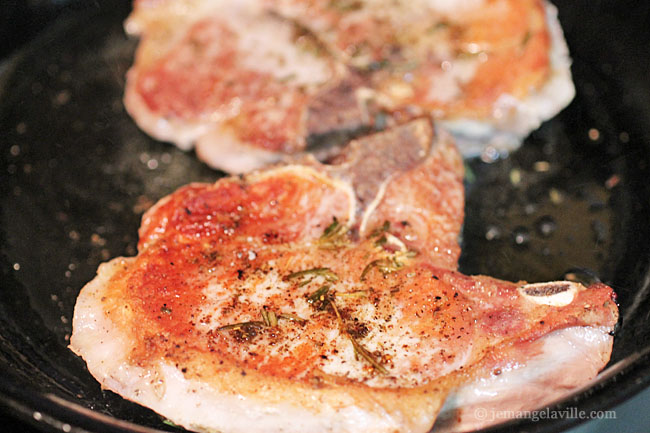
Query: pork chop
(241, 83)
(248, 82)
(305, 298)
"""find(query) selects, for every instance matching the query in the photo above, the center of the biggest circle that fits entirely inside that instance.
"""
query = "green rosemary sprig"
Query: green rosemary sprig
(363, 352)
(358, 347)
(355, 294)
(292, 317)
(269, 319)
(388, 264)
(335, 236)
(326, 273)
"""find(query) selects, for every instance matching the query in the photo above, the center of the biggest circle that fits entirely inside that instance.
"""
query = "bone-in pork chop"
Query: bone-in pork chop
(241, 83)
(248, 82)
(307, 299)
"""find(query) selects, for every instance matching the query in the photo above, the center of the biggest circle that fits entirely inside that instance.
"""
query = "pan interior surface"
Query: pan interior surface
(77, 174)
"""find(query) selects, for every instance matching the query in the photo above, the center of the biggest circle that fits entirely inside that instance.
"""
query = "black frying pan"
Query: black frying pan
(77, 175)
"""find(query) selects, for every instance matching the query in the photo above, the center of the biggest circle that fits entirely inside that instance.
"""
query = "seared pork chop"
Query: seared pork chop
(248, 82)
(241, 83)
(306, 298)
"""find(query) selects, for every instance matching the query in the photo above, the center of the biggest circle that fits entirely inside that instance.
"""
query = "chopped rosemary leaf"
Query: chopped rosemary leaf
(381, 241)
(320, 298)
(382, 264)
(242, 325)
(338, 316)
(269, 318)
(387, 265)
(334, 236)
(358, 348)
(292, 317)
(332, 227)
(317, 272)
(355, 294)
(363, 352)
(367, 269)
